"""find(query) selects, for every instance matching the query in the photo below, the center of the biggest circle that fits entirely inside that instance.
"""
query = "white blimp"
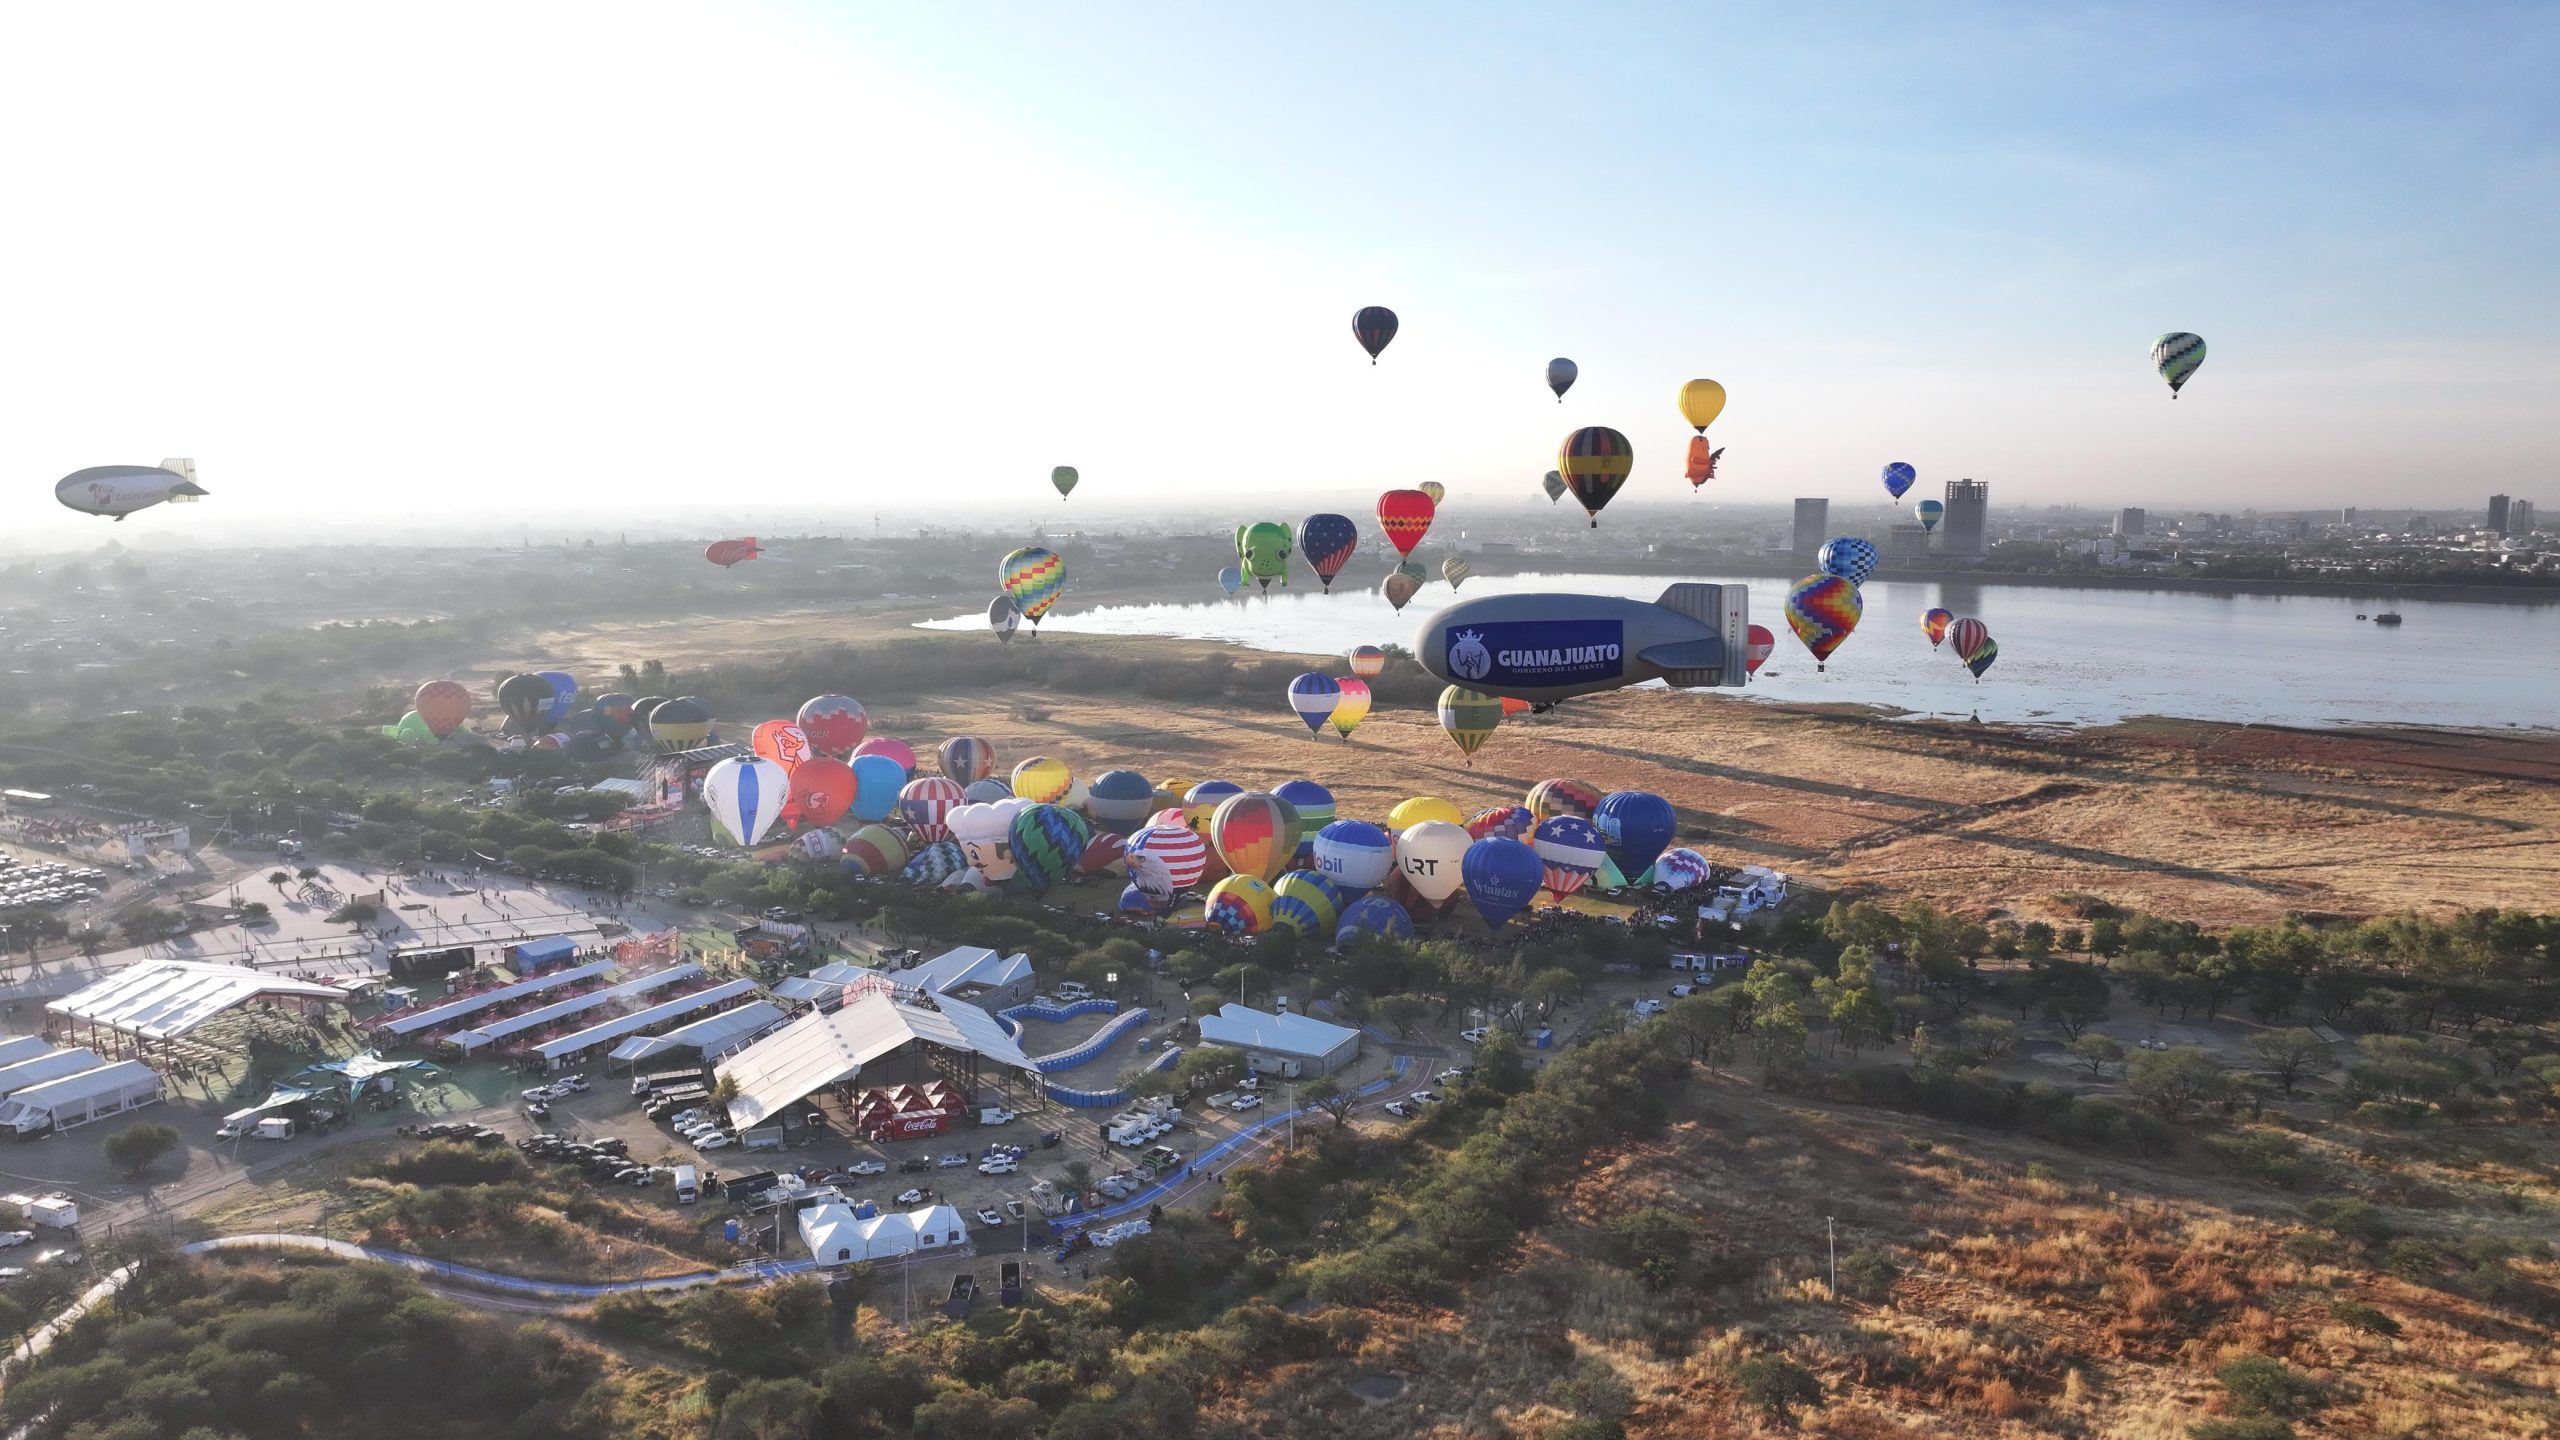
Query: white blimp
(116, 491)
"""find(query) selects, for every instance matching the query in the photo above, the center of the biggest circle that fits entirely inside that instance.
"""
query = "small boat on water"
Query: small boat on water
(2387, 617)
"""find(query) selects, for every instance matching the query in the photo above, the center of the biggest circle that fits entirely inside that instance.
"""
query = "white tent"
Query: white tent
(22, 1047)
(835, 1237)
(819, 1049)
(162, 999)
(79, 1099)
(52, 1065)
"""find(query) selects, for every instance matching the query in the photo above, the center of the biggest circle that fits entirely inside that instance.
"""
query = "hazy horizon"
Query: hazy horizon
(372, 269)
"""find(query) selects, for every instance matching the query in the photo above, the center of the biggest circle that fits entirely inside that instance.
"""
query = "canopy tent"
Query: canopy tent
(479, 1035)
(822, 1048)
(277, 1099)
(51, 1065)
(553, 1051)
(365, 1066)
(22, 1047)
(713, 1035)
(836, 1236)
(411, 1022)
(164, 999)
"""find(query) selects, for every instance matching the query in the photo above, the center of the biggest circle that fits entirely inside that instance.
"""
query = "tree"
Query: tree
(1653, 1242)
(134, 1148)
(277, 878)
(148, 924)
(2175, 1081)
(2097, 1052)
(1403, 1012)
(768, 1410)
(2106, 937)
(355, 912)
(1777, 1385)
(1329, 1095)
(255, 913)
(1079, 1176)
(2288, 1056)
(1987, 1036)
(724, 1089)
(1502, 1065)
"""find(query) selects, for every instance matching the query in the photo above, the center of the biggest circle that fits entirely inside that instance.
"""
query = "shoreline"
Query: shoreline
(1762, 568)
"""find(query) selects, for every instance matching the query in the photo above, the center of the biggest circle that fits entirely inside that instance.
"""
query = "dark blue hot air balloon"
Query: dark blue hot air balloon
(1374, 326)
(1502, 877)
(1899, 477)
(1373, 915)
(1638, 826)
(1327, 542)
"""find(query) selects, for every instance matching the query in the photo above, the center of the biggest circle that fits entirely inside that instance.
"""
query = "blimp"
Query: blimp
(1547, 647)
(118, 490)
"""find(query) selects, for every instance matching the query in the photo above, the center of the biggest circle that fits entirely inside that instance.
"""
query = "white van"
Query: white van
(688, 1184)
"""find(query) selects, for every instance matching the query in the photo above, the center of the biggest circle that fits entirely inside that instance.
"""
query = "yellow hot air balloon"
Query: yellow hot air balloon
(1413, 812)
(1434, 489)
(1041, 780)
(1701, 401)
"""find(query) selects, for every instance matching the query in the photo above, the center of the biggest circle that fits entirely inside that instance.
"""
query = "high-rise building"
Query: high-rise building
(1908, 543)
(2519, 517)
(2498, 513)
(1966, 529)
(2347, 516)
(1813, 525)
(2129, 520)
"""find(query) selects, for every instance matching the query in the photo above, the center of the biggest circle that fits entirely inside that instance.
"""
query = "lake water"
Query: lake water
(2067, 656)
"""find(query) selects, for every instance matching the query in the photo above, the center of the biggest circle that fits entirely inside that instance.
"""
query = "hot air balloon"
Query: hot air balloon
(1899, 477)
(1366, 661)
(1930, 512)
(725, 553)
(1571, 849)
(1134, 900)
(1350, 707)
(1554, 486)
(1307, 904)
(1560, 376)
(1231, 579)
(1513, 705)
(1201, 802)
(443, 705)
(411, 730)
(1264, 548)
(780, 741)
(1701, 401)
(877, 781)
(1636, 826)
(1104, 854)
(526, 699)
(1549, 798)
(1354, 855)
(1042, 780)
(1413, 811)
(1119, 801)
(1171, 854)
(1679, 869)
(641, 710)
(819, 844)
(987, 791)
(1412, 570)
(1848, 557)
(1757, 646)
(891, 747)
(1502, 876)
(1454, 570)
(1511, 822)
(1967, 634)
(613, 711)
(967, 759)
(1470, 717)
(833, 723)
(1429, 856)
(1399, 588)
(1437, 491)
(679, 724)
(1254, 834)
(1313, 805)
(1239, 905)
(1327, 541)
(1406, 517)
(1313, 695)
(1064, 477)
(1703, 455)
(1934, 623)
(1374, 326)
(823, 790)
(936, 863)
(1982, 656)
(926, 805)
(1047, 842)
(1032, 577)
(1822, 610)
(1004, 617)
(1594, 461)
(875, 850)
(564, 696)
(1374, 916)
(985, 833)
(746, 796)
(2176, 356)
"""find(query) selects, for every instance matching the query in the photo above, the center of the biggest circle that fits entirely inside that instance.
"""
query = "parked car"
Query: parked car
(12, 1239)
(911, 1197)
(1452, 1075)
(952, 1162)
(1245, 1102)
(914, 1163)
(714, 1141)
(1398, 1109)
(1474, 1036)
(989, 1217)
(1683, 992)
(1424, 1097)
(1650, 1007)
(867, 1167)
(999, 1165)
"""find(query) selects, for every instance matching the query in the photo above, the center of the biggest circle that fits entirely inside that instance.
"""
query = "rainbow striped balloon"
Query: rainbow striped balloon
(1822, 610)
(1033, 577)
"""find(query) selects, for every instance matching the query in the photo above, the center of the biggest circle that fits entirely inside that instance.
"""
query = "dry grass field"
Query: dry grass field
(2216, 823)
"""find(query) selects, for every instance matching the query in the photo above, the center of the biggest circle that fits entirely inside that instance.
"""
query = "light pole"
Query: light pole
(1831, 1234)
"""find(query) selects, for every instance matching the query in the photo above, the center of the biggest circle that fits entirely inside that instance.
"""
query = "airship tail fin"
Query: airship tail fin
(190, 489)
(1725, 611)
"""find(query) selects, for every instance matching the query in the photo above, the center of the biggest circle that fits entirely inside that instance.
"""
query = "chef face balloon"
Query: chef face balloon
(985, 836)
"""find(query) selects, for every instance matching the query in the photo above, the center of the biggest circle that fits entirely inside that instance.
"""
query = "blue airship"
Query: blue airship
(1546, 647)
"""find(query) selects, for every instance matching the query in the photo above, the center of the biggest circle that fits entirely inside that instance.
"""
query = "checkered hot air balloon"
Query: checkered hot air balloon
(834, 724)
(1899, 477)
(1032, 577)
(1255, 834)
(1406, 517)
(1571, 849)
(1549, 798)
(1239, 905)
(1822, 610)
(2176, 356)
(1848, 557)
(1350, 707)
(1313, 695)
(1679, 869)
(1594, 462)
(936, 863)
(926, 806)
(1511, 822)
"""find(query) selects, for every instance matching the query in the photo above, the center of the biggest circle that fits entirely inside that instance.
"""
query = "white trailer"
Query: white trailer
(79, 1099)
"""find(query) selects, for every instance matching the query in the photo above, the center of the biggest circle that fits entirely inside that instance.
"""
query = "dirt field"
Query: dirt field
(2210, 822)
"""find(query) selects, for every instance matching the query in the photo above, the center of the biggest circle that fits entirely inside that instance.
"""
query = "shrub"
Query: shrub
(2264, 1385)
(2271, 1158)
(1652, 1242)
(2363, 1317)
(134, 1148)
(2245, 1427)
(2357, 1220)
(1777, 1385)
(1869, 1271)
(445, 1162)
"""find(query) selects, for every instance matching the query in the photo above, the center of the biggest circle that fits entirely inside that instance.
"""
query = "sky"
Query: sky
(406, 262)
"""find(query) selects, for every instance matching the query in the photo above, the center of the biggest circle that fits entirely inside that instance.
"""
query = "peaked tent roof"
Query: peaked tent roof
(1286, 1034)
(821, 1048)
(708, 1033)
(163, 999)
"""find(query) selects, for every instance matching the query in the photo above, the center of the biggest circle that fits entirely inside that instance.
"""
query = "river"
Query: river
(2067, 656)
